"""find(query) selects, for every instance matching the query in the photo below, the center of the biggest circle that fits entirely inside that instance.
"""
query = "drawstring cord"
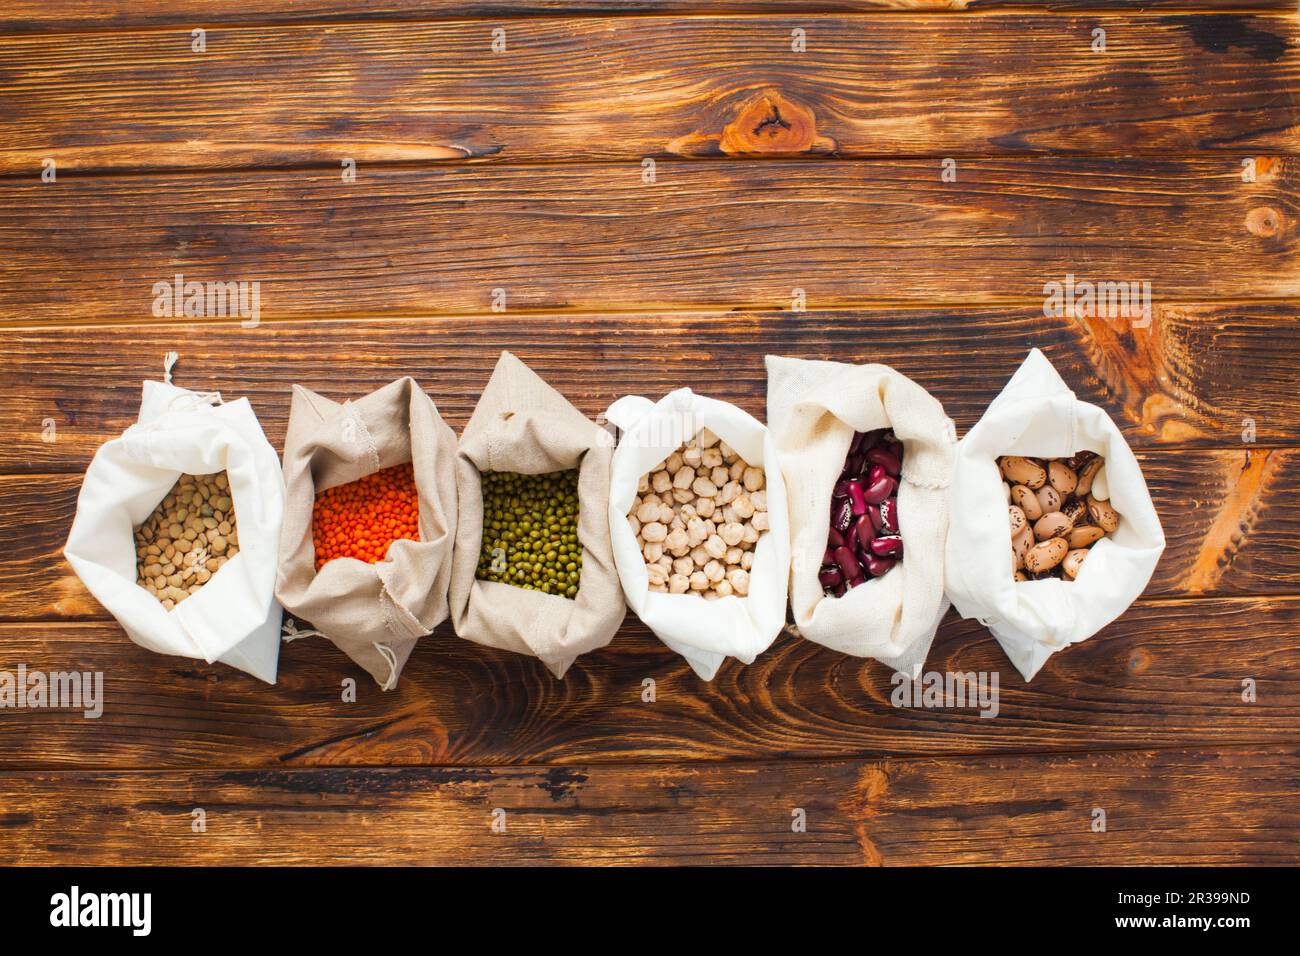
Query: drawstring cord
(188, 401)
(291, 632)
(387, 654)
(191, 401)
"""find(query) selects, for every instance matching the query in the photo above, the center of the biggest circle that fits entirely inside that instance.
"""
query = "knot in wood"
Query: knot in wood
(1264, 221)
(774, 124)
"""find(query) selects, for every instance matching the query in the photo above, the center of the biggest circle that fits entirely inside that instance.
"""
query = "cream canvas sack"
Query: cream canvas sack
(813, 409)
(374, 613)
(1037, 415)
(522, 425)
(705, 632)
(234, 617)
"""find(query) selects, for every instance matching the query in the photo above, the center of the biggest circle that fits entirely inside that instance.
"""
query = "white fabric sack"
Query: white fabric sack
(813, 409)
(234, 618)
(1037, 415)
(704, 632)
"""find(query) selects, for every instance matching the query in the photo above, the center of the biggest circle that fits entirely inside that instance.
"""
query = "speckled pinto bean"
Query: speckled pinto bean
(1023, 471)
(1024, 499)
(1054, 517)
(1072, 564)
(1045, 555)
(863, 541)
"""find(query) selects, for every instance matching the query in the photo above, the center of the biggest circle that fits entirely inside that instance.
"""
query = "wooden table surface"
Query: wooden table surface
(650, 182)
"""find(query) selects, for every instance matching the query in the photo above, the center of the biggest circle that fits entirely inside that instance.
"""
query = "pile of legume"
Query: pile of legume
(362, 518)
(698, 517)
(1055, 517)
(187, 538)
(863, 541)
(530, 531)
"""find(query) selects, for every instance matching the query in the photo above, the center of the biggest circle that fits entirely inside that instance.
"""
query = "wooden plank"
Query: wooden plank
(1232, 519)
(1167, 808)
(1201, 375)
(1162, 807)
(33, 16)
(590, 238)
(1165, 674)
(601, 89)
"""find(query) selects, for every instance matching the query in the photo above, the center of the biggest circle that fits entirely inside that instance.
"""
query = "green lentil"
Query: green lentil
(530, 531)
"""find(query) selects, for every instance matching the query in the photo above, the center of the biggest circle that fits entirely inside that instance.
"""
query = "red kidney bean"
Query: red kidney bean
(870, 439)
(864, 531)
(889, 515)
(877, 491)
(863, 541)
(841, 515)
(848, 563)
(881, 455)
(876, 566)
(887, 546)
(857, 498)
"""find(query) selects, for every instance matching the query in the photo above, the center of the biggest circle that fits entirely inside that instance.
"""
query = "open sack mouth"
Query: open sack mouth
(1054, 515)
(864, 540)
(363, 518)
(698, 517)
(187, 538)
(530, 532)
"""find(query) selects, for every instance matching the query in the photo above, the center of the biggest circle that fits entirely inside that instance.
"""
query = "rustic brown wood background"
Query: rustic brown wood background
(523, 170)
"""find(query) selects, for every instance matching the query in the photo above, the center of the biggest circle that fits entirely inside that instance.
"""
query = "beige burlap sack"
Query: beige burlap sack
(523, 425)
(374, 613)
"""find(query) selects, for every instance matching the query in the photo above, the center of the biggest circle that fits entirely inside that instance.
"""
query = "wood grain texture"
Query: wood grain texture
(1164, 674)
(1164, 807)
(1231, 519)
(47, 16)
(1201, 375)
(623, 89)
(742, 234)
(43, 16)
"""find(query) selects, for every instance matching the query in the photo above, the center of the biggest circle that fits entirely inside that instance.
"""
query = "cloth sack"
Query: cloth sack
(374, 613)
(234, 617)
(813, 409)
(704, 632)
(1037, 415)
(522, 425)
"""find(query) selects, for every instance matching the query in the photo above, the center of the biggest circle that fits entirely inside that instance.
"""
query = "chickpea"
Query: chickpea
(697, 517)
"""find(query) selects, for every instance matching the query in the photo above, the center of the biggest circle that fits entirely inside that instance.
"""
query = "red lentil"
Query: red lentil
(362, 518)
